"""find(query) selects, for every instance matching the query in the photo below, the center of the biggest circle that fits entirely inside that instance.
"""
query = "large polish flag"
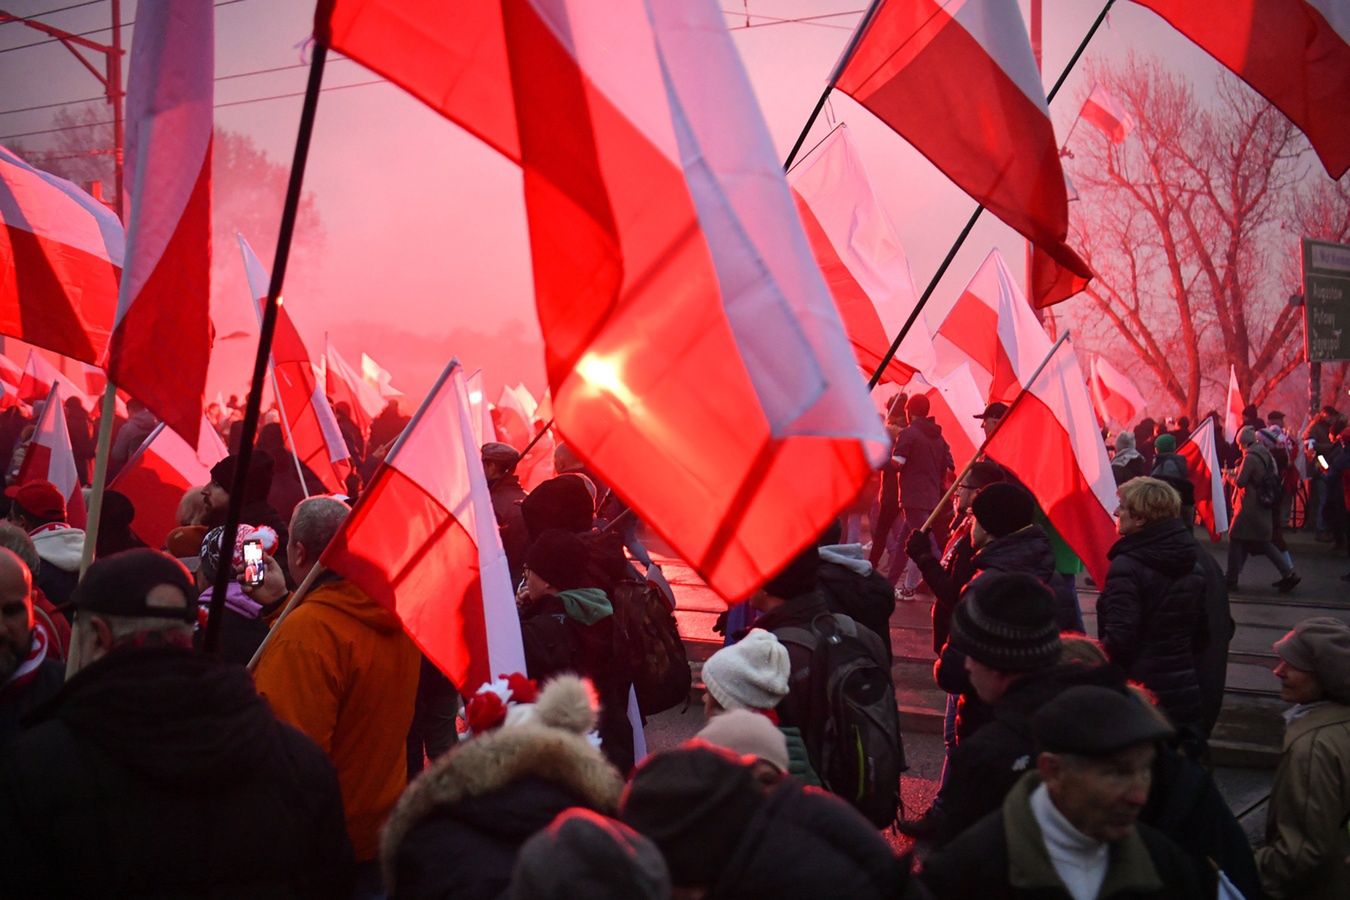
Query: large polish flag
(423, 542)
(161, 471)
(1202, 461)
(981, 328)
(161, 341)
(1232, 407)
(1051, 442)
(957, 80)
(1295, 53)
(345, 384)
(1114, 395)
(1107, 114)
(60, 259)
(697, 362)
(858, 251)
(49, 458)
(312, 429)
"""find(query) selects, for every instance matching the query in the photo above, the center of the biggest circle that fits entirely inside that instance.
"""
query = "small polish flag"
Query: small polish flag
(49, 458)
(160, 473)
(1232, 411)
(1202, 461)
(1107, 114)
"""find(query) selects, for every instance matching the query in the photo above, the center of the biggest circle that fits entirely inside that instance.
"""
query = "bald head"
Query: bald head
(16, 612)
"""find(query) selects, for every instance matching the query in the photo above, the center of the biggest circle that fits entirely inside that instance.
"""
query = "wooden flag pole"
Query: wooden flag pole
(108, 409)
(947, 497)
(965, 232)
(249, 428)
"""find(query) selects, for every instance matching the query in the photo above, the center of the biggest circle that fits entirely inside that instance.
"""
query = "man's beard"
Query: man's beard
(213, 517)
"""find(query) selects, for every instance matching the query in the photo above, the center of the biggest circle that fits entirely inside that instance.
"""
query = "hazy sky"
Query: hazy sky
(425, 228)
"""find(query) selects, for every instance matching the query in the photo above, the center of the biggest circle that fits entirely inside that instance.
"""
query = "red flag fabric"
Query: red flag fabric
(160, 473)
(1202, 462)
(959, 82)
(1232, 408)
(1052, 283)
(161, 340)
(1105, 113)
(858, 251)
(49, 458)
(60, 259)
(1114, 395)
(39, 376)
(1295, 53)
(1050, 441)
(423, 542)
(981, 328)
(696, 360)
(310, 426)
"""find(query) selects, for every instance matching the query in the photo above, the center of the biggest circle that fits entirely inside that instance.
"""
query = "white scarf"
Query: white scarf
(1079, 861)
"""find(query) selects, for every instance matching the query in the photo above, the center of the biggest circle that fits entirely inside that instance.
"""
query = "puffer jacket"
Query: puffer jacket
(1151, 618)
(1026, 550)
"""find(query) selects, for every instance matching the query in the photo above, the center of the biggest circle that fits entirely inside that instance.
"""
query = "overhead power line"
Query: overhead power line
(128, 24)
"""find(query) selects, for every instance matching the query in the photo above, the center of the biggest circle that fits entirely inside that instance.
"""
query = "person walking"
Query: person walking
(1256, 493)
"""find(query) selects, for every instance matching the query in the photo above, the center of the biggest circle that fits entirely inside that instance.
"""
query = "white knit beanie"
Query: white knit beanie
(750, 674)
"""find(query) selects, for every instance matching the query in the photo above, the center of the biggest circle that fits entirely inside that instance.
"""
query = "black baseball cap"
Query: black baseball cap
(994, 410)
(142, 583)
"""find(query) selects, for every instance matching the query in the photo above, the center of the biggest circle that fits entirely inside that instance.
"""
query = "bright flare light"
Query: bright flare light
(604, 374)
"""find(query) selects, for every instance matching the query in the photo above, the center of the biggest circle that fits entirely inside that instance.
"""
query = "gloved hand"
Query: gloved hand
(918, 545)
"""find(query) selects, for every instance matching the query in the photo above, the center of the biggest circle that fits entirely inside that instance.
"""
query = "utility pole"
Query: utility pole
(109, 75)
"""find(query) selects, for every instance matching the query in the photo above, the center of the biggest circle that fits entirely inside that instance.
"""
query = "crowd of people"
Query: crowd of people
(341, 763)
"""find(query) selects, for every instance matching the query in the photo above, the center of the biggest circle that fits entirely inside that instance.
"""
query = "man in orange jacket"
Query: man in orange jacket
(341, 669)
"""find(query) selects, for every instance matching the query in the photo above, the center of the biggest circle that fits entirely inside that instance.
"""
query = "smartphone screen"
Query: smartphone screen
(253, 562)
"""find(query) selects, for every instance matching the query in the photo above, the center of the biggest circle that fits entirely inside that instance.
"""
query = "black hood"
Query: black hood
(1166, 546)
(930, 428)
(172, 716)
(1025, 550)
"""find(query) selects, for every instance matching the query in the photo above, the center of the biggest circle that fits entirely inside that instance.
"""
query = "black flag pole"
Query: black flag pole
(965, 232)
(249, 427)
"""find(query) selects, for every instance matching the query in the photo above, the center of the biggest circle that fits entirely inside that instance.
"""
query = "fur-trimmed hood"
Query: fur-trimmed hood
(551, 745)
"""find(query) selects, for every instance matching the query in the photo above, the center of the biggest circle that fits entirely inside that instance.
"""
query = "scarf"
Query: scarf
(28, 666)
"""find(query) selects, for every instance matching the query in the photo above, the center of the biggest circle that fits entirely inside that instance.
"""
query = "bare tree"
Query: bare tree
(1185, 224)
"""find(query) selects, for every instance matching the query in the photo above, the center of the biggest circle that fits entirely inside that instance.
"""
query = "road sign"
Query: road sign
(1326, 293)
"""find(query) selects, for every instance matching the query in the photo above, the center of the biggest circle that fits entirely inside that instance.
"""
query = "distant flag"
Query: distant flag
(1114, 394)
(527, 401)
(959, 82)
(697, 362)
(161, 341)
(313, 430)
(857, 250)
(160, 473)
(1232, 410)
(378, 377)
(422, 541)
(49, 458)
(39, 376)
(60, 258)
(513, 422)
(1052, 283)
(345, 384)
(1295, 53)
(1107, 115)
(1202, 462)
(480, 412)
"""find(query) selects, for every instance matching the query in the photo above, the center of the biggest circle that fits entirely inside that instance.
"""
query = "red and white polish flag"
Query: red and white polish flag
(161, 340)
(858, 252)
(312, 429)
(49, 458)
(959, 82)
(60, 259)
(1104, 112)
(1202, 461)
(697, 362)
(1114, 395)
(1051, 442)
(161, 471)
(39, 376)
(422, 541)
(1295, 53)
(378, 377)
(982, 328)
(345, 384)
(1232, 408)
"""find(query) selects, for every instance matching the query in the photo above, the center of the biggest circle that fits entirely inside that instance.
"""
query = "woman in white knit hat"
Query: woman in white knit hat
(752, 674)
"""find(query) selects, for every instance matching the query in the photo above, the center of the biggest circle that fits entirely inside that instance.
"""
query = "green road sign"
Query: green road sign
(1326, 303)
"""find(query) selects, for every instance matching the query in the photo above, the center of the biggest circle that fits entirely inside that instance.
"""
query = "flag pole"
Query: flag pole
(249, 426)
(530, 446)
(965, 232)
(1026, 389)
(108, 409)
(286, 424)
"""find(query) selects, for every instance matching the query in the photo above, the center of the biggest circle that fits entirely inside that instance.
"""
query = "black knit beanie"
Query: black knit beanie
(561, 502)
(797, 577)
(560, 558)
(1003, 507)
(1007, 622)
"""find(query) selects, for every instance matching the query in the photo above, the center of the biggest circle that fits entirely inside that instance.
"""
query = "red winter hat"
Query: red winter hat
(40, 499)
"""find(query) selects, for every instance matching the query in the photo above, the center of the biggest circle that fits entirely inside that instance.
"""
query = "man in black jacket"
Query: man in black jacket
(158, 771)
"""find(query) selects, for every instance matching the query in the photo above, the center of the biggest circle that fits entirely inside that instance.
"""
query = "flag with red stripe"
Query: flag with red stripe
(1104, 112)
(1232, 407)
(697, 362)
(60, 259)
(345, 385)
(39, 376)
(49, 458)
(1295, 53)
(161, 340)
(981, 328)
(959, 82)
(160, 473)
(423, 542)
(1114, 395)
(1202, 462)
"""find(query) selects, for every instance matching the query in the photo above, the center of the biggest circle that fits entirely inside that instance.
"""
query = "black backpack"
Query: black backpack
(647, 643)
(853, 736)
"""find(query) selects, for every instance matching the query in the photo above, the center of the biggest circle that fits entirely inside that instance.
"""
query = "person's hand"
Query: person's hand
(273, 586)
(918, 545)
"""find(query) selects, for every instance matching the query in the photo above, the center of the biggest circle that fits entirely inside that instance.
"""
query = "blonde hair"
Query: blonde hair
(1150, 499)
(1081, 649)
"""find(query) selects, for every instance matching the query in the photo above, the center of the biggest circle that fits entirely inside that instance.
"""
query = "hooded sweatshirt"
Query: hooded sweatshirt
(926, 457)
(60, 547)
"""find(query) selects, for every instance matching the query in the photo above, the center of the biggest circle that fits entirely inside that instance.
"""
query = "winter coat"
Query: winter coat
(1151, 615)
(799, 612)
(1307, 851)
(1025, 550)
(805, 843)
(159, 772)
(240, 633)
(1252, 520)
(927, 459)
(947, 577)
(1212, 665)
(341, 669)
(985, 765)
(18, 698)
(1004, 856)
(60, 548)
(456, 830)
(852, 587)
(506, 496)
(1125, 469)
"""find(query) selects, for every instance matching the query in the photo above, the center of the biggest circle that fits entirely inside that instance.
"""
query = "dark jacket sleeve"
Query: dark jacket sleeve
(1119, 614)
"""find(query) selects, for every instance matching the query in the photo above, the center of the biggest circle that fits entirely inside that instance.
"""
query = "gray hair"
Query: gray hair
(14, 538)
(1125, 440)
(316, 520)
(122, 627)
